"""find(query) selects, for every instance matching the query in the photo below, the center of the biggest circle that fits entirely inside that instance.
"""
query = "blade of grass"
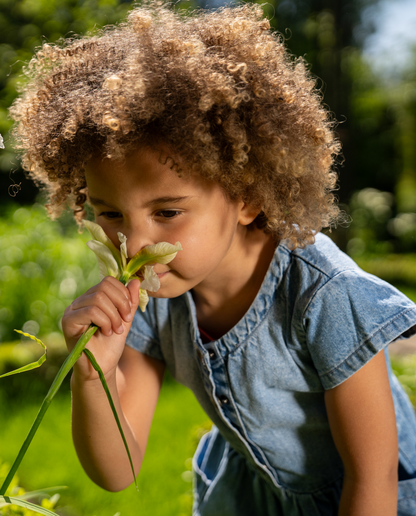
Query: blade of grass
(11, 500)
(32, 365)
(59, 378)
(95, 365)
(35, 494)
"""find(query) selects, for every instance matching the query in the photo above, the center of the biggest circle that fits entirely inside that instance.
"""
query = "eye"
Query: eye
(110, 214)
(168, 214)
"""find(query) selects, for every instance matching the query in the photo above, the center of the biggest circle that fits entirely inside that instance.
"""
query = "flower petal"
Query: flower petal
(151, 280)
(123, 248)
(98, 234)
(106, 261)
(163, 252)
(143, 299)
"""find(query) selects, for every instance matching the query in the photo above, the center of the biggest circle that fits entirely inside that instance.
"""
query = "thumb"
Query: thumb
(134, 290)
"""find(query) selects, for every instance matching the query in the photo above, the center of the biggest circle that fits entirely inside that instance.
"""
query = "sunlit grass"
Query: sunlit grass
(405, 369)
(51, 459)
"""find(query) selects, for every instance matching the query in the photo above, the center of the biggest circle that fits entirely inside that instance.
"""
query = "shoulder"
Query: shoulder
(323, 256)
(316, 270)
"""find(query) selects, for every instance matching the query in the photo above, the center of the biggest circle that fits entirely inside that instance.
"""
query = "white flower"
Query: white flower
(115, 263)
(150, 279)
(1, 142)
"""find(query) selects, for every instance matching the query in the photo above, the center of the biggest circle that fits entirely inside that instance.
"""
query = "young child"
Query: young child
(203, 130)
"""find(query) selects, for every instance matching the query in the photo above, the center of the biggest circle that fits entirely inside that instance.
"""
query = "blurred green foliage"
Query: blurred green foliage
(377, 228)
(24, 26)
(405, 369)
(44, 265)
(165, 480)
(16, 490)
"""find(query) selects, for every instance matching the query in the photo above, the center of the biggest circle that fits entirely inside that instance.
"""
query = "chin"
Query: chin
(161, 294)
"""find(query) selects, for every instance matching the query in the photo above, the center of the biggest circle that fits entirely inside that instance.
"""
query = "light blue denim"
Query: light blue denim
(316, 320)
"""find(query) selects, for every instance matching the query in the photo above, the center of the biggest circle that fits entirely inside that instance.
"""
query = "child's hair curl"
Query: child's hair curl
(218, 88)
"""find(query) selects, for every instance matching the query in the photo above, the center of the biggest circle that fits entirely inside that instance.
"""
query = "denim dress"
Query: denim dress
(316, 320)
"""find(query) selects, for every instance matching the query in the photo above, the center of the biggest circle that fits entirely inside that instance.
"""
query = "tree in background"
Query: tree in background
(375, 124)
(24, 25)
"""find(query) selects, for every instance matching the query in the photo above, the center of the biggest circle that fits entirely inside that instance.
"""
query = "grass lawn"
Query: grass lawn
(164, 482)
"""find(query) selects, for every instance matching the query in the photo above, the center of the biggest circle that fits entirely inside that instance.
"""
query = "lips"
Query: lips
(161, 274)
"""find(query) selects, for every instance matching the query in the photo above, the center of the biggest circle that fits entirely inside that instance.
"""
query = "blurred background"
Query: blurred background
(363, 53)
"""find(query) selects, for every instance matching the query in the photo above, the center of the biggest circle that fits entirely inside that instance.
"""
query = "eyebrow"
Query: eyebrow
(159, 200)
(167, 200)
(99, 202)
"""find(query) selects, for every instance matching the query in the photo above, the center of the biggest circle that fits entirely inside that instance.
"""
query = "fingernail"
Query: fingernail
(120, 330)
(128, 317)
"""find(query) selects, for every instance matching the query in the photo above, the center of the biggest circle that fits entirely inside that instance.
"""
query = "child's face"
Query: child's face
(149, 203)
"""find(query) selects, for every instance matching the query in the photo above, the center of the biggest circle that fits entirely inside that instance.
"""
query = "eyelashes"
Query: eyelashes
(110, 214)
(165, 214)
(168, 214)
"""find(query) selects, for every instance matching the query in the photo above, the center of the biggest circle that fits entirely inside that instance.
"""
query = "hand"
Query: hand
(110, 306)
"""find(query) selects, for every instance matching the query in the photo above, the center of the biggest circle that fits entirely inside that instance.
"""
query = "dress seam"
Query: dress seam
(314, 266)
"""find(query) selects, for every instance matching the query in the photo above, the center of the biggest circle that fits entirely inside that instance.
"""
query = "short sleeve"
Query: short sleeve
(350, 319)
(143, 334)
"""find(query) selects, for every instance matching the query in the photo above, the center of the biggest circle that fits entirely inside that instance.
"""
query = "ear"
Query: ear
(247, 214)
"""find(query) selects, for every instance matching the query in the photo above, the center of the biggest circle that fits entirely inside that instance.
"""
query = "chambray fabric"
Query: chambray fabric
(316, 320)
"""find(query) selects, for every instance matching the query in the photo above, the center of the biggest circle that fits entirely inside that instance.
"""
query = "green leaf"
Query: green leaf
(32, 365)
(11, 500)
(95, 365)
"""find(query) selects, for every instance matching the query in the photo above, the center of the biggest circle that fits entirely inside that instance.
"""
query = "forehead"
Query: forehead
(144, 172)
(137, 167)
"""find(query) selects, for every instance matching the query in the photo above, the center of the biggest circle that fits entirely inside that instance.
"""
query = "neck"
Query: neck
(223, 300)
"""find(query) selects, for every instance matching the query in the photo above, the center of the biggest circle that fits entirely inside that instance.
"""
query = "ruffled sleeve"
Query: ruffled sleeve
(143, 335)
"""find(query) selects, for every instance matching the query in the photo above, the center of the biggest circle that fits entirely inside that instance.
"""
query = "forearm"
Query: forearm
(96, 436)
(367, 498)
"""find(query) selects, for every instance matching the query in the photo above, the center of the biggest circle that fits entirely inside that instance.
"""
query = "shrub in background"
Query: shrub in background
(44, 265)
(376, 227)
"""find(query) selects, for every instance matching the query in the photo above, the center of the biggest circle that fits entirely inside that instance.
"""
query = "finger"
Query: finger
(81, 318)
(134, 290)
(119, 297)
(109, 306)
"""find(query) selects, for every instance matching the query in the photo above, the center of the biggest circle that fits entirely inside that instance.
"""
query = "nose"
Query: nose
(137, 239)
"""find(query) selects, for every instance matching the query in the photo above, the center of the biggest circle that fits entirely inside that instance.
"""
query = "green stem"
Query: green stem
(59, 378)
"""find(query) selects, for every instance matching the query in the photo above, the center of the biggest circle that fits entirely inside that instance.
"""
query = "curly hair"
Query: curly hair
(218, 88)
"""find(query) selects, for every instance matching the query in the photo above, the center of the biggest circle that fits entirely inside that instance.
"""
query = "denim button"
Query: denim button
(223, 399)
(212, 355)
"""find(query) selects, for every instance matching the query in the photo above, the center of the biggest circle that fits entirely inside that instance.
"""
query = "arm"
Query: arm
(135, 389)
(363, 425)
(133, 378)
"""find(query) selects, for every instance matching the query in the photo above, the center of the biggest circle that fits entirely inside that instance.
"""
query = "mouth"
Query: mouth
(162, 274)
